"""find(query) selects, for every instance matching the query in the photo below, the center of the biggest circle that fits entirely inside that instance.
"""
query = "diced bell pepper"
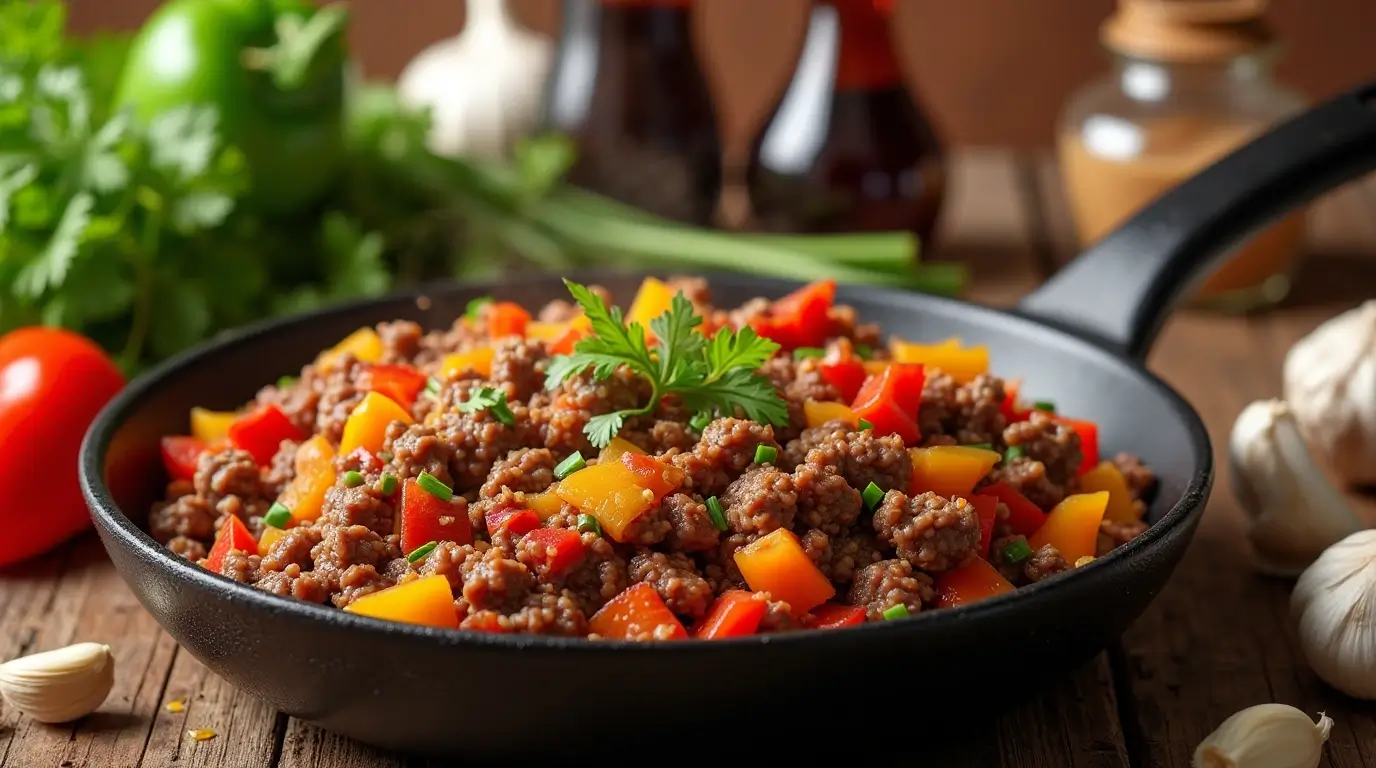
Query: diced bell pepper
(776, 563)
(1072, 527)
(836, 616)
(305, 494)
(976, 580)
(233, 534)
(735, 613)
(609, 492)
(1024, 517)
(889, 401)
(516, 520)
(652, 300)
(1107, 477)
(818, 413)
(845, 371)
(364, 344)
(960, 363)
(269, 537)
(1089, 441)
(557, 550)
(506, 318)
(261, 432)
(427, 600)
(614, 449)
(635, 613)
(400, 383)
(660, 478)
(180, 455)
(367, 424)
(211, 426)
(987, 507)
(1013, 409)
(426, 518)
(478, 360)
(800, 319)
(546, 504)
(950, 470)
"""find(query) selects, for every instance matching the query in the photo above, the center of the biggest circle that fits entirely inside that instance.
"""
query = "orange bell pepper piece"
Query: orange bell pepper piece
(1107, 477)
(735, 613)
(478, 360)
(609, 492)
(960, 363)
(659, 477)
(777, 564)
(973, 581)
(506, 318)
(233, 534)
(367, 425)
(269, 537)
(305, 494)
(427, 600)
(1089, 440)
(950, 470)
(652, 300)
(633, 613)
(364, 344)
(211, 426)
(1073, 526)
(546, 504)
(819, 413)
(615, 448)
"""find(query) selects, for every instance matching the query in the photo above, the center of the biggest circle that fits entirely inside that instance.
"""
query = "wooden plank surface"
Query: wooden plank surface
(1217, 640)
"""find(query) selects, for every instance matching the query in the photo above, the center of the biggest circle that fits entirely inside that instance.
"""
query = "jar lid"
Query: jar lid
(1188, 30)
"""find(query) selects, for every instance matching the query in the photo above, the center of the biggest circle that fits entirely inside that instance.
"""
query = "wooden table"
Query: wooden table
(1217, 640)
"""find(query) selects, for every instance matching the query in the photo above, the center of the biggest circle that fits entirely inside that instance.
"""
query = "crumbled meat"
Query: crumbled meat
(548, 613)
(280, 470)
(361, 505)
(342, 546)
(760, 501)
(648, 529)
(293, 547)
(780, 371)
(293, 582)
(691, 527)
(825, 500)
(808, 384)
(535, 555)
(839, 557)
(400, 341)
(230, 472)
(721, 570)
(1141, 480)
(997, 547)
(240, 566)
(965, 413)
(600, 577)
(1044, 563)
(888, 583)
(1028, 477)
(930, 531)
(492, 581)
(778, 616)
(725, 450)
(339, 394)
(189, 516)
(517, 366)
(357, 581)
(478, 440)
(1054, 444)
(860, 457)
(845, 324)
(1114, 535)
(559, 424)
(415, 449)
(662, 437)
(797, 449)
(447, 560)
(529, 470)
(674, 576)
(188, 548)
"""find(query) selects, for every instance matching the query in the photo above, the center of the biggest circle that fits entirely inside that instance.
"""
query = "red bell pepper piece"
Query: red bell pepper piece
(506, 318)
(564, 344)
(657, 476)
(1024, 517)
(845, 371)
(233, 534)
(401, 383)
(976, 580)
(261, 432)
(1012, 409)
(426, 518)
(987, 507)
(889, 401)
(1089, 441)
(635, 613)
(559, 549)
(836, 616)
(180, 454)
(800, 319)
(736, 613)
(518, 521)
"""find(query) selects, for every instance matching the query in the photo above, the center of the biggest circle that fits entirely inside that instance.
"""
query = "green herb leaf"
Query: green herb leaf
(542, 161)
(50, 268)
(491, 400)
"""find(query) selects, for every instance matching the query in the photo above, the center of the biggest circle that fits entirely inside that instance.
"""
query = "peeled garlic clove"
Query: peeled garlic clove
(1265, 736)
(1294, 512)
(1334, 607)
(61, 685)
(1330, 380)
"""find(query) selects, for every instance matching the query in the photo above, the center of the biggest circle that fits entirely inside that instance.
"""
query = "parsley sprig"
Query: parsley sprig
(491, 400)
(715, 376)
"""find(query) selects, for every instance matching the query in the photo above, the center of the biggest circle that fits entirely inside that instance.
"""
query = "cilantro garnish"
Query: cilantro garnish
(715, 376)
(491, 400)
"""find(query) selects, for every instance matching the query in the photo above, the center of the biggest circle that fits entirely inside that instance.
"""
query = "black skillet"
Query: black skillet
(1079, 340)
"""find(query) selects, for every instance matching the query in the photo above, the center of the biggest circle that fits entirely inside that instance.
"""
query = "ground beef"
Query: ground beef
(1114, 535)
(447, 560)
(600, 577)
(299, 400)
(648, 529)
(997, 546)
(760, 501)
(558, 424)
(415, 449)
(241, 566)
(548, 613)
(518, 366)
(1141, 480)
(808, 384)
(797, 449)
(534, 555)
(825, 500)
(400, 341)
(720, 567)
(529, 470)
(1028, 477)
(839, 557)
(725, 450)
(1044, 563)
(962, 414)
(293, 548)
(344, 545)
(281, 470)
(357, 581)
(1054, 444)
(930, 531)
(845, 324)
(781, 371)
(293, 582)
(492, 581)
(362, 505)
(339, 394)
(188, 548)
(478, 441)
(862, 458)
(885, 584)
(230, 472)
(188, 516)
(778, 616)
(675, 577)
(662, 437)
(691, 527)
(558, 311)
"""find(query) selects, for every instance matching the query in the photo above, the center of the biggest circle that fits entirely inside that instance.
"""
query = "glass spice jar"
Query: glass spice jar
(1191, 81)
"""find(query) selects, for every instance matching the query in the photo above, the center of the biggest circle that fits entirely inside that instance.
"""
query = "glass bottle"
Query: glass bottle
(847, 148)
(1191, 81)
(627, 87)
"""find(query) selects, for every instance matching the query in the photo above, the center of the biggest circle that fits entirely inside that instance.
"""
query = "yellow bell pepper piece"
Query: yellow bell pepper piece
(1073, 526)
(478, 359)
(819, 413)
(777, 564)
(546, 332)
(427, 600)
(546, 504)
(652, 300)
(367, 425)
(305, 494)
(950, 470)
(269, 537)
(364, 344)
(961, 363)
(1107, 477)
(211, 426)
(608, 492)
(615, 448)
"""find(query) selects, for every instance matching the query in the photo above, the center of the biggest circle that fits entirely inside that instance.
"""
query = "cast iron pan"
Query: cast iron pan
(1079, 340)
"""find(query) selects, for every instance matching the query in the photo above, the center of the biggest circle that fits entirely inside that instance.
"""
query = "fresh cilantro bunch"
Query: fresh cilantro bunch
(716, 377)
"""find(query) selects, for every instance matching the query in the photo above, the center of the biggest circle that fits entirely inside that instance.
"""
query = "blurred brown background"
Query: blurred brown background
(990, 71)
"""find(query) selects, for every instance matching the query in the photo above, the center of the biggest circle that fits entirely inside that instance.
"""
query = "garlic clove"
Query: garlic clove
(1294, 512)
(1330, 380)
(1265, 736)
(60, 685)
(1334, 608)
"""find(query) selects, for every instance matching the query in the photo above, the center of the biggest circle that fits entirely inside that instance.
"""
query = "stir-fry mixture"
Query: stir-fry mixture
(678, 471)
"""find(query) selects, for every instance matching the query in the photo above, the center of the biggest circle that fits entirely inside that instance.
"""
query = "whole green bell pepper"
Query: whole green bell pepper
(274, 69)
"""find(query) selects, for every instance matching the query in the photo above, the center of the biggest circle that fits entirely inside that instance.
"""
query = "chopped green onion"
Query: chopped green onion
(872, 495)
(1045, 405)
(388, 484)
(589, 524)
(865, 425)
(476, 306)
(1017, 552)
(353, 479)
(1014, 452)
(765, 454)
(981, 446)
(700, 421)
(385, 456)
(278, 515)
(899, 611)
(717, 514)
(433, 386)
(422, 551)
(432, 485)
(864, 351)
(570, 465)
(803, 353)
(285, 381)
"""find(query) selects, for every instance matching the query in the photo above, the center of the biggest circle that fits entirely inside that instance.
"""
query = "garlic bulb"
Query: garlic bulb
(1265, 736)
(1294, 512)
(1330, 381)
(482, 87)
(1334, 607)
(61, 685)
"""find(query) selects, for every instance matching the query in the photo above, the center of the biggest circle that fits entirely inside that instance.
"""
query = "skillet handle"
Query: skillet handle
(1120, 291)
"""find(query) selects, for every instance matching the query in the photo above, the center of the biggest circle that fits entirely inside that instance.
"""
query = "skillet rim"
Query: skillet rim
(121, 528)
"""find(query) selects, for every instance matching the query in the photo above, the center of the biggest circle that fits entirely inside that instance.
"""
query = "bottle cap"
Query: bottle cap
(1188, 30)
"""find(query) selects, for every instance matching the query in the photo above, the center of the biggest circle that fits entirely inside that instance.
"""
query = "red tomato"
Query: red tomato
(52, 385)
